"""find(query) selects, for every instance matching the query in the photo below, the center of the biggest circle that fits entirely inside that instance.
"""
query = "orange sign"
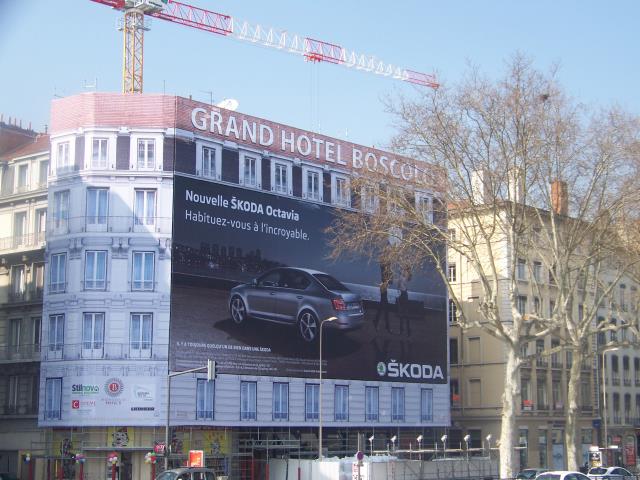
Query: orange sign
(196, 458)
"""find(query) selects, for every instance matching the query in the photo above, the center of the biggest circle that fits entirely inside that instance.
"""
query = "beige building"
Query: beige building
(24, 161)
(478, 369)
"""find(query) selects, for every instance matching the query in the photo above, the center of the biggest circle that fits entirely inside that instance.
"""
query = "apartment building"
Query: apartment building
(24, 163)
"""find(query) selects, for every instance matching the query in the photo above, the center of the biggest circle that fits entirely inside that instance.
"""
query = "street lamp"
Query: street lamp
(393, 442)
(488, 438)
(330, 319)
(371, 444)
(604, 395)
(466, 439)
(419, 439)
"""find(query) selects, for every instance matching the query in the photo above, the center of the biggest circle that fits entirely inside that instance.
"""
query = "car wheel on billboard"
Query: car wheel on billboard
(238, 310)
(308, 326)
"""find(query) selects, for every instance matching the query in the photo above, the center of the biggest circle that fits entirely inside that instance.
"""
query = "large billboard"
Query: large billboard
(252, 281)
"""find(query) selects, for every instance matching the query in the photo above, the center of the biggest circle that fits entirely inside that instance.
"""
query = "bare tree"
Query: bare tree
(529, 182)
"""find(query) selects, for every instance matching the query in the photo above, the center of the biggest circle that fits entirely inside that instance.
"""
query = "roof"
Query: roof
(39, 145)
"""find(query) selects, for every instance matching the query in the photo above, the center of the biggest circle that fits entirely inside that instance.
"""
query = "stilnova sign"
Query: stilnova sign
(305, 144)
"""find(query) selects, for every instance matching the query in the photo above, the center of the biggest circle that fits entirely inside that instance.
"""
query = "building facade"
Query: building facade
(107, 337)
(24, 162)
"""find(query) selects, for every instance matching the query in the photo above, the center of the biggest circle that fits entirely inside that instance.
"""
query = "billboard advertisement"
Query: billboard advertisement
(252, 282)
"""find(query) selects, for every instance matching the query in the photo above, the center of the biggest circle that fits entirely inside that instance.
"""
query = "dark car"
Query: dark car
(530, 473)
(297, 296)
(187, 473)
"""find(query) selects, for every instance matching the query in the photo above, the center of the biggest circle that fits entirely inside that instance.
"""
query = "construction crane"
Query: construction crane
(133, 26)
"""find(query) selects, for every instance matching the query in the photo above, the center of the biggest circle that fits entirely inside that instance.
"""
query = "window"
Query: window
(56, 333)
(453, 312)
(281, 177)
(204, 399)
(397, 404)
(15, 326)
(556, 395)
(626, 373)
(92, 335)
(280, 401)
(14, 389)
(248, 400)
(453, 351)
(97, 206)
(541, 391)
(555, 356)
(452, 273)
(61, 210)
(341, 403)
(311, 403)
(523, 442)
(209, 162)
(43, 172)
(36, 323)
(41, 224)
(143, 271)
(521, 269)
(63, 158)
(23, 178)
(146, 154)
(537, 271)
(424, 205)
(99, 153)
(249, 171)
(542, 447)
(627, 408)
(19, 229)
(52, 399)
(18, 284)
(521, 304)
(145, 207)
(312, 183)
(57, 279)
(141, 335)
(636, 371)
(475, 392)
(525, 394)
(371, 404)
(537, 305)
(615, 370)
(369, 199)
(426, 404)
(95, 270)
(541, 360)
(340, 190)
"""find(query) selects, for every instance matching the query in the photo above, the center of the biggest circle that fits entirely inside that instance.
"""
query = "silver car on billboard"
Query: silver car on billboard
(300, 297)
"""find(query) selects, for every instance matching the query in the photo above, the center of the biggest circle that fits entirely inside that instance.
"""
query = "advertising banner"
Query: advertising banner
(131, 398)
(252, 283)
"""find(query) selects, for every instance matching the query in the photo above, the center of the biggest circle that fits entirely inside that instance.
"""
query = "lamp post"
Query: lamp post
(466, 442)
(604, 395)
(488, 438)
(330, 319)
(393, 443)
(371, 445)
(443, 439)
(419, 440)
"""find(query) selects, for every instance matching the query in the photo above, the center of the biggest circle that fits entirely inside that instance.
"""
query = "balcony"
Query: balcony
(22, 189)
(541, 362)
(615, 380)
(617, 419)
(20, 353)
(103, 351)
(626, 382)
(30, 241)
(586, 409)
(558, 407)
(29, 295)
(110, 224)
(18, 410)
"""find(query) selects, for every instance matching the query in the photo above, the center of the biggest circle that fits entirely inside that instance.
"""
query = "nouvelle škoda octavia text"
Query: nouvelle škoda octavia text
(297, 296)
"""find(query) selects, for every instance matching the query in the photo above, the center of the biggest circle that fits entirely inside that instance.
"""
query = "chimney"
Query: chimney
(559, 197)
(516, 184)
(480, 187)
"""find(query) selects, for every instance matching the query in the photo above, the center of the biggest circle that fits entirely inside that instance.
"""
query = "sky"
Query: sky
(52, 49)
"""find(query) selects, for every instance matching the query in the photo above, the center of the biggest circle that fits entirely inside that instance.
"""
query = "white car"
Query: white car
(610, 473)
(562, 475)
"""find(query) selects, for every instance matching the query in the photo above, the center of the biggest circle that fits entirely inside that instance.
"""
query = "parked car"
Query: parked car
(562, 475)
(297, 296)
(610, 473)
(187, 473)
(8, 476)
(530, 473)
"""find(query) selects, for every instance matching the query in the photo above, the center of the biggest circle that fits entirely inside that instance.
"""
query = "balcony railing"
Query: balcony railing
(28, 295)
(23, 189)
(7, 410)
(20, 353)
(107, 351)
(615, 380)
(586, 409)
(22, 242)
(541, 362)
(111, 224)
(617, 419)
(626, 381)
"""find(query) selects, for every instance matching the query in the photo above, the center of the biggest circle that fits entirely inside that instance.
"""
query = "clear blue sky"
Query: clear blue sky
(52, 47)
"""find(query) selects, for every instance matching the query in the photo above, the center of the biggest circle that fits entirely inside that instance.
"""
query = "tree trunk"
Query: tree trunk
(509, 397)
(571, 417)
